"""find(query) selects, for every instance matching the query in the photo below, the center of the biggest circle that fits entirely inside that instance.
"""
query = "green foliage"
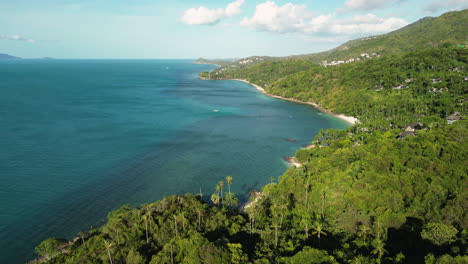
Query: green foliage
(205, 75)
(439, 234)
(237, 256)
(264, 73)
(310, 255)
(51, 247)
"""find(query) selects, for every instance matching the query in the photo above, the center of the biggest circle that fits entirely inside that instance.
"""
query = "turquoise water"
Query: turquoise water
(82, 137)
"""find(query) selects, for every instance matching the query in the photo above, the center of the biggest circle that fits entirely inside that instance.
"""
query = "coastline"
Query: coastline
(348, 119)
(207, 63)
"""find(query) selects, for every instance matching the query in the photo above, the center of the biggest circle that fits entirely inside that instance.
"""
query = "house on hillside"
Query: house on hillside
(413, 127)
(435, 90)
(454, 117)
(410, 130)
(400, 86)
(377, 88)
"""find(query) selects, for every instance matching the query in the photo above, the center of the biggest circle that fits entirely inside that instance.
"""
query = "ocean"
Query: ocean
(80, 138)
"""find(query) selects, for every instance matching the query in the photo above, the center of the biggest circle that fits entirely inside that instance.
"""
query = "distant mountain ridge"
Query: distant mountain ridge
(449, 29)
(4, 56)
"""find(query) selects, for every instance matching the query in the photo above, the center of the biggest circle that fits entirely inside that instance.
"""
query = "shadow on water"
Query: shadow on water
(167, 168)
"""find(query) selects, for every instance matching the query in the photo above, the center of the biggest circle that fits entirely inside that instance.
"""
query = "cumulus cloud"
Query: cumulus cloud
(270, 17)
(17, 37)
(369, 4)
(205, 16)
(297, 18)
(435, 6)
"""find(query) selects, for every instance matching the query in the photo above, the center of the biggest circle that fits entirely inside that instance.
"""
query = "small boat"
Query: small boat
(216, 110)
(290, 140)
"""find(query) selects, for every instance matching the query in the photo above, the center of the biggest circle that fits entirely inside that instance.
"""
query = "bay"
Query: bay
(80, 138)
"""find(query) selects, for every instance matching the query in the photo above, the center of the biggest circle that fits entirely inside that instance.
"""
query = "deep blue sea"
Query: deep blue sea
(79, 138)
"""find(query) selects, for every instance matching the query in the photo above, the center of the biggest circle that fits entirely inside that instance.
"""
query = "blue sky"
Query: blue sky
(190, 29)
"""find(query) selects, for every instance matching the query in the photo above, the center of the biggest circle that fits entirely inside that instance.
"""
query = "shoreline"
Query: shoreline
(207, 63)
(348, 119)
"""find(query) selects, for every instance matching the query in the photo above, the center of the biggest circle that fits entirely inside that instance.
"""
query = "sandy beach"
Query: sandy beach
(349, 119)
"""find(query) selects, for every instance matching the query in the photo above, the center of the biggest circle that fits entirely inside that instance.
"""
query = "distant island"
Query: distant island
(4, 56)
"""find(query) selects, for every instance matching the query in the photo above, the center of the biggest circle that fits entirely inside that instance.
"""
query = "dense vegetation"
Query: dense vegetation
(362, 198)
(429, 32)
(368, 194)
(434, 86)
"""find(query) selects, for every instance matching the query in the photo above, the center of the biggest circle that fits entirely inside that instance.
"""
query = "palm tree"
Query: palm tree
(175, 225)
(145, 218)
(215, 198)
(229, 182)
(82, 235)
(323, 204)
(379, 249)
(183, 220)
(364, 232)
(199, 213)
(150, 215)
(231, 198)
(276, 234)
(218, 193)
(307, 185)
(108, 245)
(318, 230)
(221, 187)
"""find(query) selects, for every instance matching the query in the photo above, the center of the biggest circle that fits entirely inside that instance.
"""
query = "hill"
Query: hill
(448, 29)
(8, 57)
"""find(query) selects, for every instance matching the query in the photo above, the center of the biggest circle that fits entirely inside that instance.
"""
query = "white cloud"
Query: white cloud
(270, 17)
(370, 25)
(205, 16)
(17, 37)
(435, 6)
(297, 18)
(369, 4)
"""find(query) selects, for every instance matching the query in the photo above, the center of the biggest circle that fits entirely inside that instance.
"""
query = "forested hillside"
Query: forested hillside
(391, 189)
(429, 32)
(448, 29)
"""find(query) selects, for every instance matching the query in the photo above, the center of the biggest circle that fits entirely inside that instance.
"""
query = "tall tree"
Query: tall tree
(215, 199)
(318, 230)
(221, 187)
(229, 182)
(379, 249)
(108, 245)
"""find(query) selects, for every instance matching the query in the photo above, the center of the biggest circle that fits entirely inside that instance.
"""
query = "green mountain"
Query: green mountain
(448, 29)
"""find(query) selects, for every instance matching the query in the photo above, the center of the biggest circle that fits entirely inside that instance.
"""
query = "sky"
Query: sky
(188, 29)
